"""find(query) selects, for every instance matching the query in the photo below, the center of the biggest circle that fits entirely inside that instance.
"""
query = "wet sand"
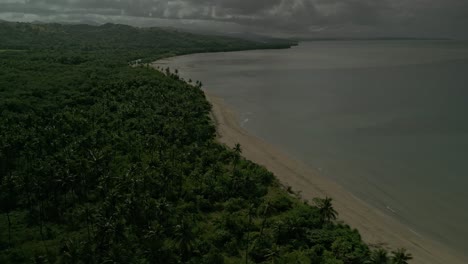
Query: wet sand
(375, 227)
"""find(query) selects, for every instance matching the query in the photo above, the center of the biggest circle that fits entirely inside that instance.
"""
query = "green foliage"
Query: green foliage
(327, 213)
(379, 256)
(77, 44)
(101, 162)
(400, 256)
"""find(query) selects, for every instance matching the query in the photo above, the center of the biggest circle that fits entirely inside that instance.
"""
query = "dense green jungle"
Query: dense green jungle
(104, 160)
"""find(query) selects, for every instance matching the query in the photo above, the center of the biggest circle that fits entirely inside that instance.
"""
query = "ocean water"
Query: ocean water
(387, 120)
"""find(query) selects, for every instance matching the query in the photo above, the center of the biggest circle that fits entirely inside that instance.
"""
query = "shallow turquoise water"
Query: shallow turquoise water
(388, 120)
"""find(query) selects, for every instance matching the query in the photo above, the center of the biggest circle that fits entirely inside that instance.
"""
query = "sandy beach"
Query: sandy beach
(375, 227)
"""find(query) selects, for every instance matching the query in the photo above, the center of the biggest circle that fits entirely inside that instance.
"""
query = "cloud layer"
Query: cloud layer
(426, 18)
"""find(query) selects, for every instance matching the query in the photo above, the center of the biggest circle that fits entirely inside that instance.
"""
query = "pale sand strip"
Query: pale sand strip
(375, 227)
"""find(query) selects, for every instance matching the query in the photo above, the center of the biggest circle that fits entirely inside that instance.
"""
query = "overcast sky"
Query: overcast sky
(311, 18)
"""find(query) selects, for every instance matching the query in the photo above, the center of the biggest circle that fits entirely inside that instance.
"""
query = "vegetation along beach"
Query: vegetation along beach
(165, 132)
(102, 162)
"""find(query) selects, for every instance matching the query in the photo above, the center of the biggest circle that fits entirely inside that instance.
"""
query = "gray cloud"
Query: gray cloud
(427, 18)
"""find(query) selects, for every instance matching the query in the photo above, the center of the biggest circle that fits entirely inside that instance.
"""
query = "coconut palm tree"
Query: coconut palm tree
(251, 214)
(379, 256)
(237, 149)
(400, 256)
(273, 254)
(237, 154)
(327, 212)
(267, 209)
(236, 158)
(185, 239)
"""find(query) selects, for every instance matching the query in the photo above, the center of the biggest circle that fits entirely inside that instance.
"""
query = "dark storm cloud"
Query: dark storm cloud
(294, 17)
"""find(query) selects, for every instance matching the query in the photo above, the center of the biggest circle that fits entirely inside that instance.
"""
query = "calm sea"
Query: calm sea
(388, 120)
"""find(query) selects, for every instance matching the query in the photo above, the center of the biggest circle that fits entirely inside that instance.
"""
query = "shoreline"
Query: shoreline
(375, 227)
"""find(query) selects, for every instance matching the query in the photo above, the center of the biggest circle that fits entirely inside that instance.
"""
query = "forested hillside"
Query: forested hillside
(112, 42)
(105, 163)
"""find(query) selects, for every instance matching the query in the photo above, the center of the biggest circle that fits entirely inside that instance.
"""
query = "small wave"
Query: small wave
(416, 233)
(390, 209)
(244, 122)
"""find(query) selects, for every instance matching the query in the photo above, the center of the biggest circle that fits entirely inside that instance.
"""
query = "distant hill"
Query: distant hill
(134, 42)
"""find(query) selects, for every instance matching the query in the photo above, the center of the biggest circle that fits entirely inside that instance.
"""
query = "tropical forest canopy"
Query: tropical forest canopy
(101, 162)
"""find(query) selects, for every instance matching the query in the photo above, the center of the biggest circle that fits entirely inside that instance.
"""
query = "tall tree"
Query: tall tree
(327, 212)
(185, 238)
(401, 256)
(379, 256)
(236, 159)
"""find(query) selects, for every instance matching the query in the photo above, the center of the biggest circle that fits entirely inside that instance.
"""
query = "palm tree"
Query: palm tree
(265, 216)
(185, 239)
(236, 158)
(237, 154)
(237, 149)
(273, 254)
(400, 256)
(379, 256)
(327, 212)
(251, 213)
